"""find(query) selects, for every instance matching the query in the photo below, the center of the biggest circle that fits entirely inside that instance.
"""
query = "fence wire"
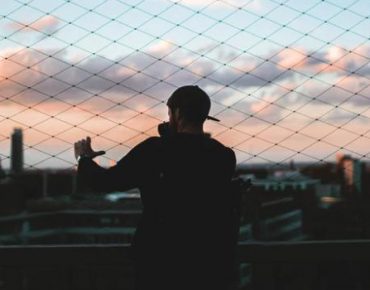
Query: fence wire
(288, 79)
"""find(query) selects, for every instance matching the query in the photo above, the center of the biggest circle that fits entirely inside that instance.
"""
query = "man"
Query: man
(186, 236)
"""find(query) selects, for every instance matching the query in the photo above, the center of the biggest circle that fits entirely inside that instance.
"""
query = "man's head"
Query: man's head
(189, 106)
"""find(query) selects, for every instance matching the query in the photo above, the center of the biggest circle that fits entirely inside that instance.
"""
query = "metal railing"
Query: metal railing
(275, 265)
(69, 226)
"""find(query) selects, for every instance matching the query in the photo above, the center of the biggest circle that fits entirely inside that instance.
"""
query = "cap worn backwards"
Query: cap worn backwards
(192, 102)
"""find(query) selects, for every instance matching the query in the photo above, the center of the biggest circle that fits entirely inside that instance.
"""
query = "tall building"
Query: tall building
(352, 174)
(2, 172)
(17, 151)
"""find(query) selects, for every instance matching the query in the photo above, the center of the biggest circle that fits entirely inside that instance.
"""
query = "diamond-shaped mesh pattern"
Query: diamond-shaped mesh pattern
(288, 79)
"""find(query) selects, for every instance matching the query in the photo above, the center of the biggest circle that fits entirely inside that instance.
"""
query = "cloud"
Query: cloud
(142, 80)
(334, 60)
(292, 58)
(47, 24)
(350, 90)
(136, 73)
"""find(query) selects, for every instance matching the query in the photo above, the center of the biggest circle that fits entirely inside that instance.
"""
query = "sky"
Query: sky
(288, 79)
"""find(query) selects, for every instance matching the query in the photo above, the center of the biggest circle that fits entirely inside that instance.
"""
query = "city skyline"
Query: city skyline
(289, 80)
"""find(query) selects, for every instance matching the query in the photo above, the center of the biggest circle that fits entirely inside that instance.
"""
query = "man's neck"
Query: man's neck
(190, 129)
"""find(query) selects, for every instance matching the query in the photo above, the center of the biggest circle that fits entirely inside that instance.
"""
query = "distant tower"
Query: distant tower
(352, 174)
(17, 151)
(2, 172)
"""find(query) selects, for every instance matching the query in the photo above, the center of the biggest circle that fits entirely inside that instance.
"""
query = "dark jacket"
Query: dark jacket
(185, 233)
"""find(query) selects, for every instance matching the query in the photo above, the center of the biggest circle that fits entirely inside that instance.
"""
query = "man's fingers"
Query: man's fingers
(88, 143)
(83, 147)
(84, 144)
(77, 145)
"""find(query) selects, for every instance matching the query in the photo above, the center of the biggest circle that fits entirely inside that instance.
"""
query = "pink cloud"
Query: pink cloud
(292, 58)
(334, 60)
(47, 24)
(31, 68)
(143, 92)
(348, 91)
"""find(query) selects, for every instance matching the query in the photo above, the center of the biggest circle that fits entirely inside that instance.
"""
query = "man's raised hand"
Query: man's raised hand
(83, 148)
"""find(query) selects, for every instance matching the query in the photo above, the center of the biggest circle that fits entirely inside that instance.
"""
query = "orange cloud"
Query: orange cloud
(293, 58)
(47, 24)
(334, 60)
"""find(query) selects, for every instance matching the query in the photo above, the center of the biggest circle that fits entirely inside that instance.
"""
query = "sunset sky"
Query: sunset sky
(288, 79)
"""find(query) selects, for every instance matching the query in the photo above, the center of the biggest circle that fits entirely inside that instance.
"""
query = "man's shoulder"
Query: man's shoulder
(220, 148)
(153, 140)
(148, 143)
(215, 142)
(218, 145)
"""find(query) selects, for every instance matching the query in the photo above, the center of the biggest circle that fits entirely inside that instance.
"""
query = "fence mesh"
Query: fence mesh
(288, 79)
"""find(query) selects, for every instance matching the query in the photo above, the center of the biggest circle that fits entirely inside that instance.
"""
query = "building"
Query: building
(352, 172)
(276, 208)
(283, 181)
(17, 151)
(2, 172)
(284, 203)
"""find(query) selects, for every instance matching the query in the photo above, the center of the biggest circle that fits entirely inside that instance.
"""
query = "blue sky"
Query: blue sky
(271, 68)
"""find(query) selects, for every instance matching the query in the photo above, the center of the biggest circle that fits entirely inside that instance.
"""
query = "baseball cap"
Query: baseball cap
(193, 102)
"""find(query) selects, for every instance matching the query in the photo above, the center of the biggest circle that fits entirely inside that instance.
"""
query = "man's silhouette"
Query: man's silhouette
(186, 236)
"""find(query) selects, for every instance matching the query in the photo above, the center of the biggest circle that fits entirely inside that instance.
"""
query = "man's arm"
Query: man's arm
(128, 173)
(118, 177)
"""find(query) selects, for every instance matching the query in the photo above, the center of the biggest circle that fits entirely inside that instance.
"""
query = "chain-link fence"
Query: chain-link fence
(288, 79)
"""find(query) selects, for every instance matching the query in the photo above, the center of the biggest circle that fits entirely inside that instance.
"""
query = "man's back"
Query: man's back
(185, 229)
